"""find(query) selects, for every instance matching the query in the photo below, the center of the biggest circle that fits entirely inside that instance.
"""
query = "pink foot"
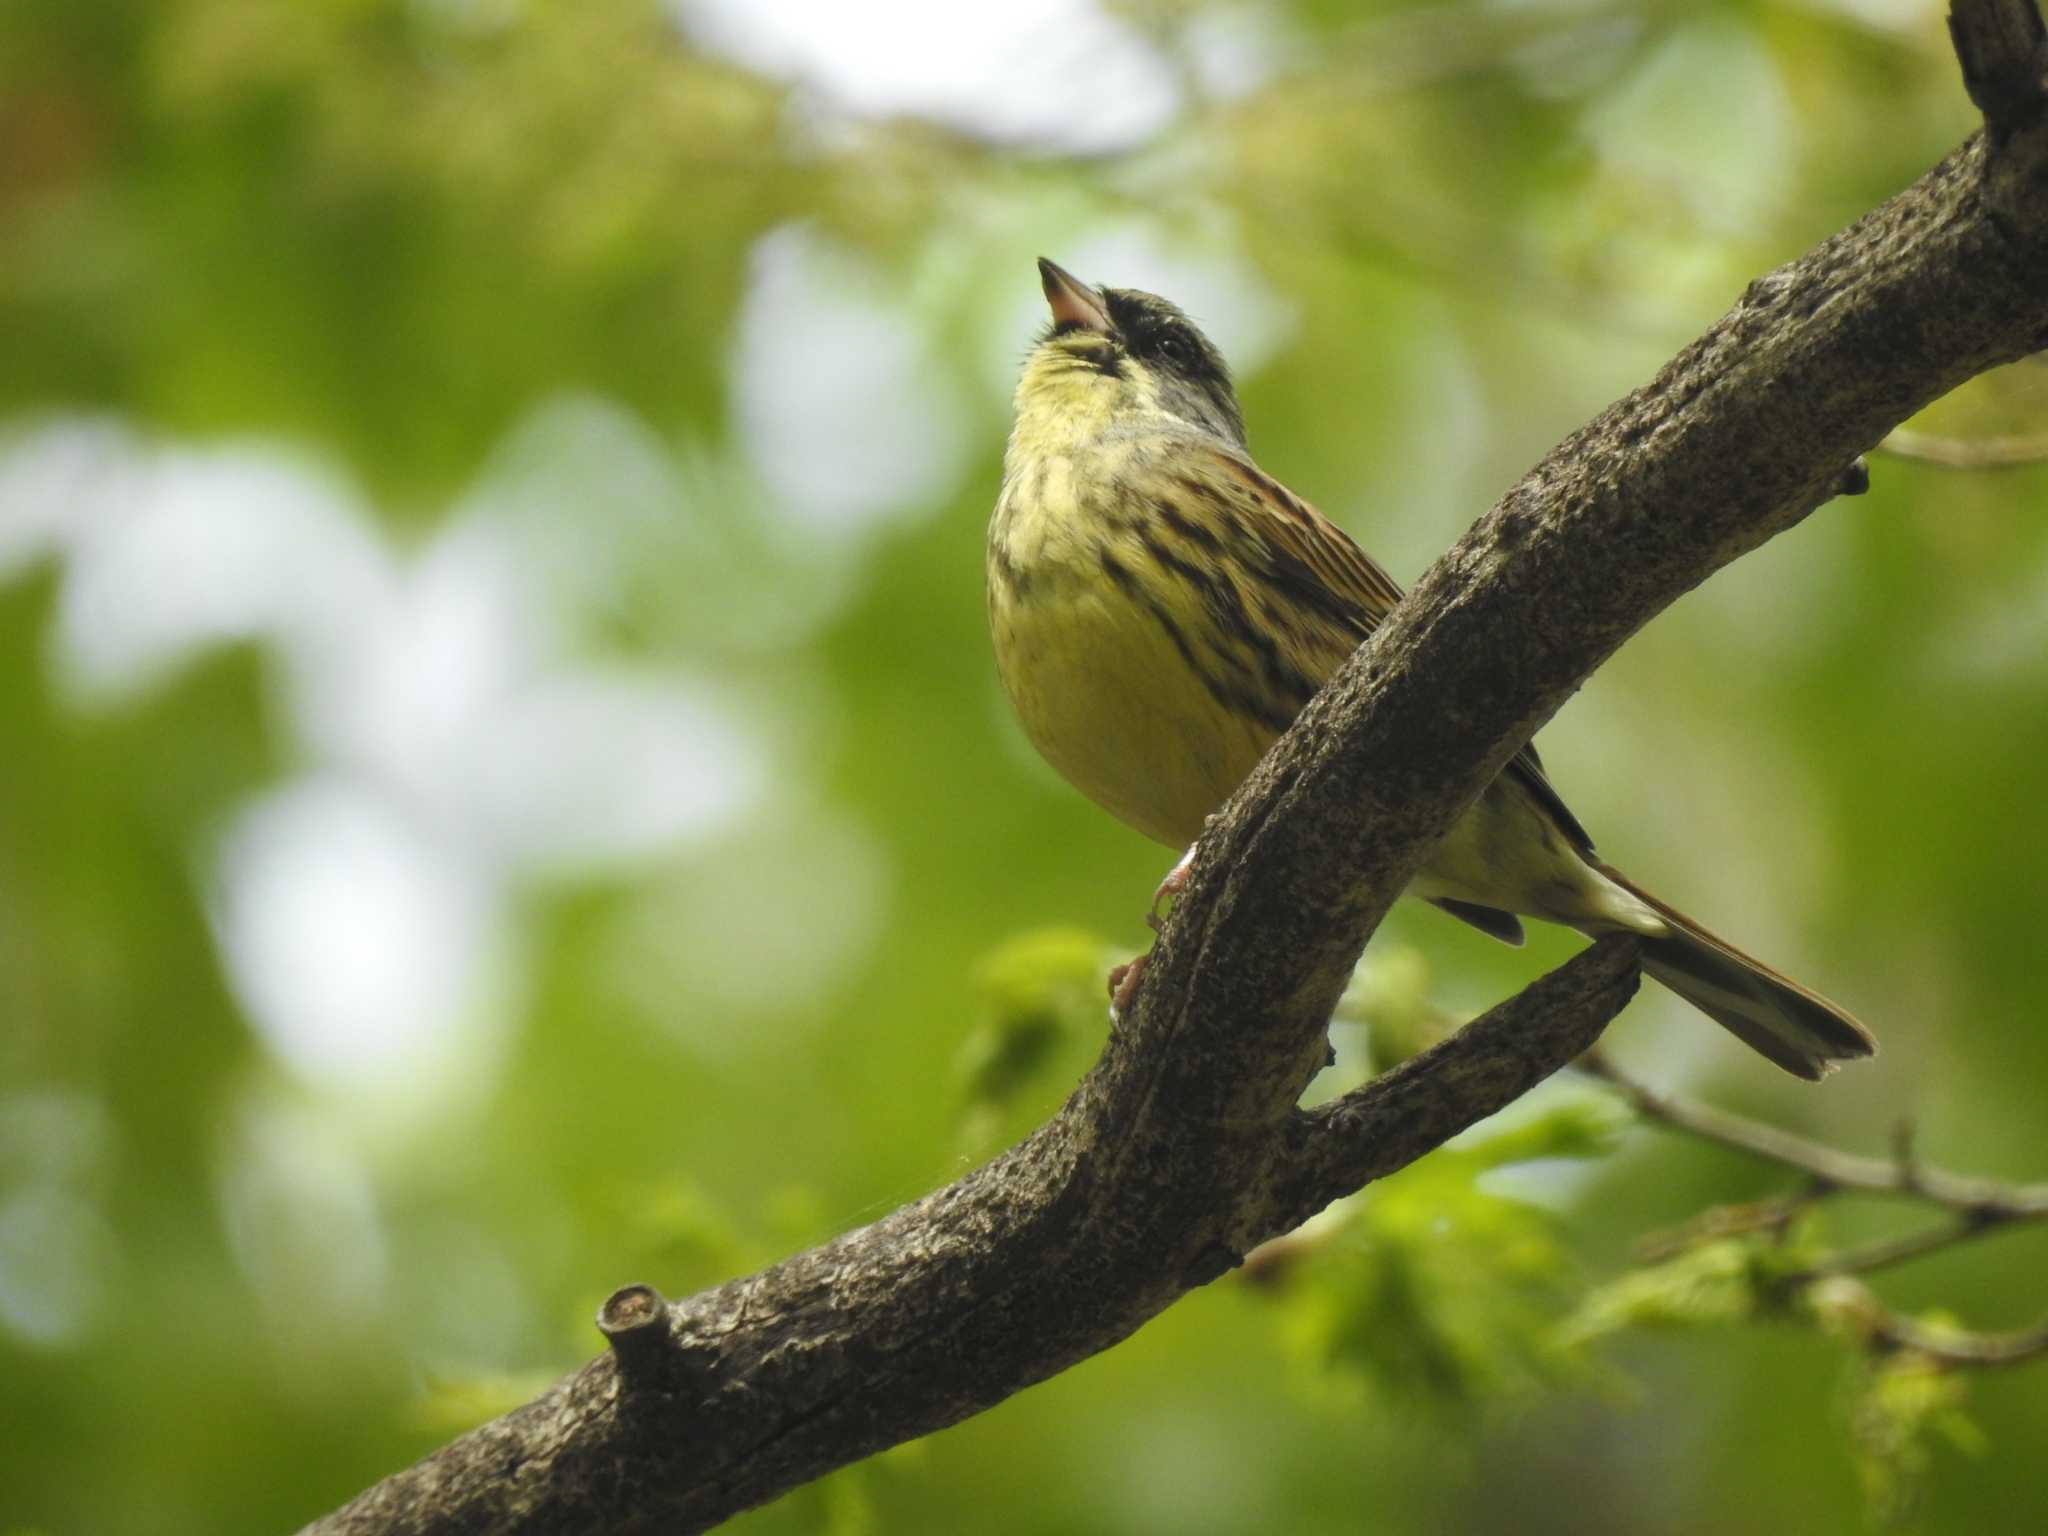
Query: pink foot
(1123, 984)
(1175, 882)
(1124, 979)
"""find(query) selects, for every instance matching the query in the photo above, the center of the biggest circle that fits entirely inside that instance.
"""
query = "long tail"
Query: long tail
(1772, 1014)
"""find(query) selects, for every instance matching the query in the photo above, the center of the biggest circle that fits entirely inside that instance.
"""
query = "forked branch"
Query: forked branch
(1184, 1147)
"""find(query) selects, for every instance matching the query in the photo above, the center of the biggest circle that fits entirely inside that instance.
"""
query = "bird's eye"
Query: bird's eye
(1175, 349)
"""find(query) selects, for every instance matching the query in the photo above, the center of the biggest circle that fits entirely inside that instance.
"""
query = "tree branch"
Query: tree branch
(2012, 451)
(1054, 1251)
(1385, 1124)
(1958, 1346)
(1183, 1147)
(1975, 1206)
(1979, 1200)
(2004, 53)
(1845, 1301)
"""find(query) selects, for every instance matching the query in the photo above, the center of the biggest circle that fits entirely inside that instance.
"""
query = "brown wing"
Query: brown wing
(1324, 573)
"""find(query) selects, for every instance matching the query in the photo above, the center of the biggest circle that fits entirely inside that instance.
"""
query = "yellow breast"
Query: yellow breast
(1098, 647)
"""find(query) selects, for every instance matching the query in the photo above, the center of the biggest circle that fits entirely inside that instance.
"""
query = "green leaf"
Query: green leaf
(1715, 1283)
(1392, 995)
(1905, 1405)
(1574, 1123)
(1434, 1292)
(1041, 989)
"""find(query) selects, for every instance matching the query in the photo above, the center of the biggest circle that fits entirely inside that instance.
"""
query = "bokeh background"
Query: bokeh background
(503, 791)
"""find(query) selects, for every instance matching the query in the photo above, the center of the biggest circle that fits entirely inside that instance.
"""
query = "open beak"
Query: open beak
(1073, 302)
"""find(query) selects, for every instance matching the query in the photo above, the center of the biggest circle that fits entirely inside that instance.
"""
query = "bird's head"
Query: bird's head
(1113, 354)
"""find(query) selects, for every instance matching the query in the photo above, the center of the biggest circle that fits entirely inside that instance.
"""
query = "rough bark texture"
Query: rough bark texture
(1184, 1147)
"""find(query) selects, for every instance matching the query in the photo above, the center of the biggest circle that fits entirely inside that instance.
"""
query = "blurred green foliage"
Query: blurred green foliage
(427, 292)
(1435, 1294)
(1906, 1407)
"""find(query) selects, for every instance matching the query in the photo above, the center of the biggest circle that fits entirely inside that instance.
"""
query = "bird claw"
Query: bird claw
(1124, 979)
(1175, 882)
(1123, 985)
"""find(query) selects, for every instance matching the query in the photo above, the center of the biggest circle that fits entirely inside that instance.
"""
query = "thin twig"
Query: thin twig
(1774, 1216)
(1853, 1303)
(2017, 451)
(1977, 1206)
(1984, 1201)
(1956, 1346)
(1885, 1252)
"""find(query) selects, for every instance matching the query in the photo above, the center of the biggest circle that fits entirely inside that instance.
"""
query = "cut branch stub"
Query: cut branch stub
(634, 1320)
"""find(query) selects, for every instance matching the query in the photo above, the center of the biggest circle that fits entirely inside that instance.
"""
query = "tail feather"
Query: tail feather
(1772, 1014)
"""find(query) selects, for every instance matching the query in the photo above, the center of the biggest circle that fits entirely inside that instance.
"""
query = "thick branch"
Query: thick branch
(2004, 53)
(1184, 1146)
(1737, 439)
(1053, 1252)
(1389, 1122)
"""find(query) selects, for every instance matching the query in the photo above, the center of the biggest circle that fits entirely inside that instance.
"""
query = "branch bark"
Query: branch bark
(1184, 1146)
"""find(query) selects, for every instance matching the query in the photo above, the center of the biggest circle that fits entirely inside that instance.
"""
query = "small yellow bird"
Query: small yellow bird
(1162, 609)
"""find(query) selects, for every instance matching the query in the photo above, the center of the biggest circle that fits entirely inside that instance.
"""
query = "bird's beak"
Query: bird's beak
(1073, 302)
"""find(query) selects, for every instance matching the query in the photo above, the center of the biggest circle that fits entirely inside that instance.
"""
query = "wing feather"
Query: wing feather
(1340, 591)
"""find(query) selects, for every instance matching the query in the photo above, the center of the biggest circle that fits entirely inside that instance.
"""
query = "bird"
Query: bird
(1161, 609)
